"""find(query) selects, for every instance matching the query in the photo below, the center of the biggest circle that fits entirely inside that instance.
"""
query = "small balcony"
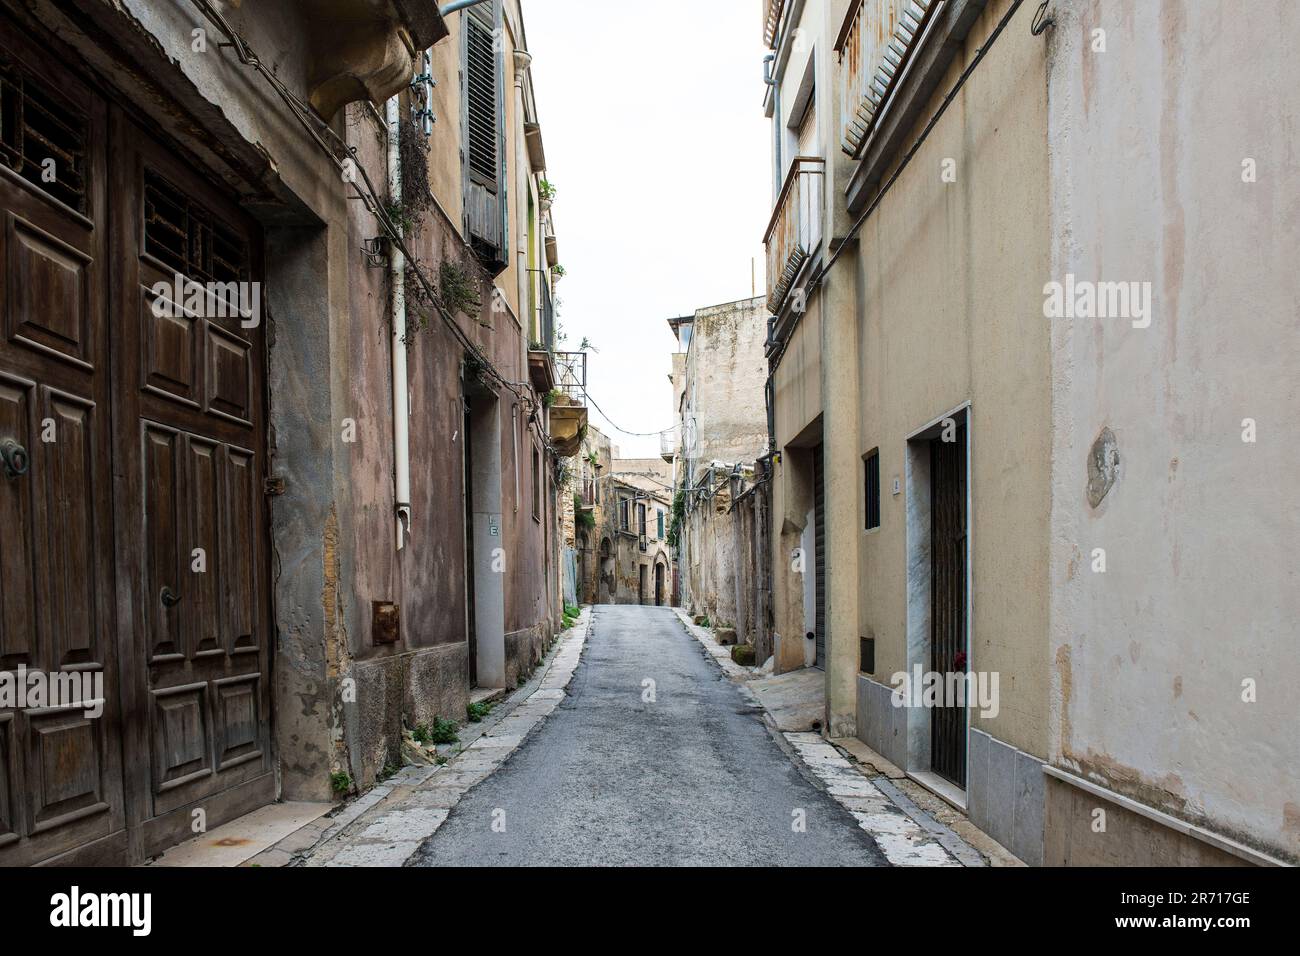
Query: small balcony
(773, 10)
(874, 47)
(571, 375)
(668, 443)
(362, 49)
(795, 231)
(569, 408)
(542, 370)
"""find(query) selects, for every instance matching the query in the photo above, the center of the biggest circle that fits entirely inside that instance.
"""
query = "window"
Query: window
(622, 514)
(481, 99)
(537, 484)
(661, 524)
(872, 467)
(483, 127)
(38, 124)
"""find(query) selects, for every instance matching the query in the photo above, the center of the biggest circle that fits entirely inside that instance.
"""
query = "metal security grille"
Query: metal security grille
(185, 236)
(38, 125)
(948, 599)
(481, 93)
(819, 564)
(872, 463)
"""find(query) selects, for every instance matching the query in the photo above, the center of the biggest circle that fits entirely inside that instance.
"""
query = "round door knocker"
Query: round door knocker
(14, 458)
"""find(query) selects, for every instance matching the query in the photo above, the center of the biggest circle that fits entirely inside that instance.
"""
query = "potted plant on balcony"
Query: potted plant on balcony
(546, 192)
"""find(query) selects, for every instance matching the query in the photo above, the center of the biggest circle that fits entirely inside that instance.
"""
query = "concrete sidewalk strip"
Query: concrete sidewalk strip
(905, 833)
(249, 836)
(903, 840)
(385, 826)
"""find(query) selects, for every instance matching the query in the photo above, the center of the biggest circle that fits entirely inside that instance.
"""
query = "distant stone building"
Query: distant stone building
(718, 451)
(585, 502)
(637, 562)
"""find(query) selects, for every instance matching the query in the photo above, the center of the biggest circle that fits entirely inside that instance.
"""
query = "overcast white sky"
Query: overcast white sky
(656, 141)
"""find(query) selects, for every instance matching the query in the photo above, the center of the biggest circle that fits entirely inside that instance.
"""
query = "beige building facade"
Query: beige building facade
(971, 482)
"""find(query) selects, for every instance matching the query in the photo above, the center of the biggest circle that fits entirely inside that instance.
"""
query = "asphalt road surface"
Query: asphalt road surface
(611, 778)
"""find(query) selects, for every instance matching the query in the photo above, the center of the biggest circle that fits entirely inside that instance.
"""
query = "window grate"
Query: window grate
(872, 464)
(37, 125)
(185, 236)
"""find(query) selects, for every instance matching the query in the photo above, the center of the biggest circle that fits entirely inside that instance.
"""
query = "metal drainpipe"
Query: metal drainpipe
(770, 80)
(447, 9)
(401, 397)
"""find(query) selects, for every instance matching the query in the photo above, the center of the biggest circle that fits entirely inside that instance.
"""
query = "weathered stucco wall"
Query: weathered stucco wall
(725, 371)
(341, 701)
(1150, 144)
(724, 420)
(798, 379)
(952, 312)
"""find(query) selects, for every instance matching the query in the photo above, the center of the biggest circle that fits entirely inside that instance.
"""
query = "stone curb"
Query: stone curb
(721, 653)
(906, 834)
(387, 824)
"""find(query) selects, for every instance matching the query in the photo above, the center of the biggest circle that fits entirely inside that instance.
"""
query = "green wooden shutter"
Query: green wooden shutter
(481, 104)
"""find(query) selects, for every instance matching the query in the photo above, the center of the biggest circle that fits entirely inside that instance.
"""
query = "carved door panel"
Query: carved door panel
(191, 508)
(60, 760)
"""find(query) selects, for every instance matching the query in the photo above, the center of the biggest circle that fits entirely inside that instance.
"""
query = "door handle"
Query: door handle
(14, 458)
(169, 597)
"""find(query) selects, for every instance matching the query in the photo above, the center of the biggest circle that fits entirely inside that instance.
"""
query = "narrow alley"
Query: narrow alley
(654, 758)
(759, 434)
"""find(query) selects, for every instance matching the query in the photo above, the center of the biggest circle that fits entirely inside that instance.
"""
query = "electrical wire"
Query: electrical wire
(622, 431)
(320, 132)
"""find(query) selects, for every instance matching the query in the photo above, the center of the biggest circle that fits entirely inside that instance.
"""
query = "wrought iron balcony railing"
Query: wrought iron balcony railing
(548, 315)
(795, 230)
(571, 376)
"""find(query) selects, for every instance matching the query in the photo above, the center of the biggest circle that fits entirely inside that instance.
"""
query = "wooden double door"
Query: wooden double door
(133, 528)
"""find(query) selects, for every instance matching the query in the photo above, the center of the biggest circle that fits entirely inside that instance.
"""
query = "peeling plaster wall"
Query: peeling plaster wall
(1200, 589)
(725, 420)
(725, 372)
(951, 311)
(341, 701)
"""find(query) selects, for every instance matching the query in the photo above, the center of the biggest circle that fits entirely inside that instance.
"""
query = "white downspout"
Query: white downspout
(401, 397)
